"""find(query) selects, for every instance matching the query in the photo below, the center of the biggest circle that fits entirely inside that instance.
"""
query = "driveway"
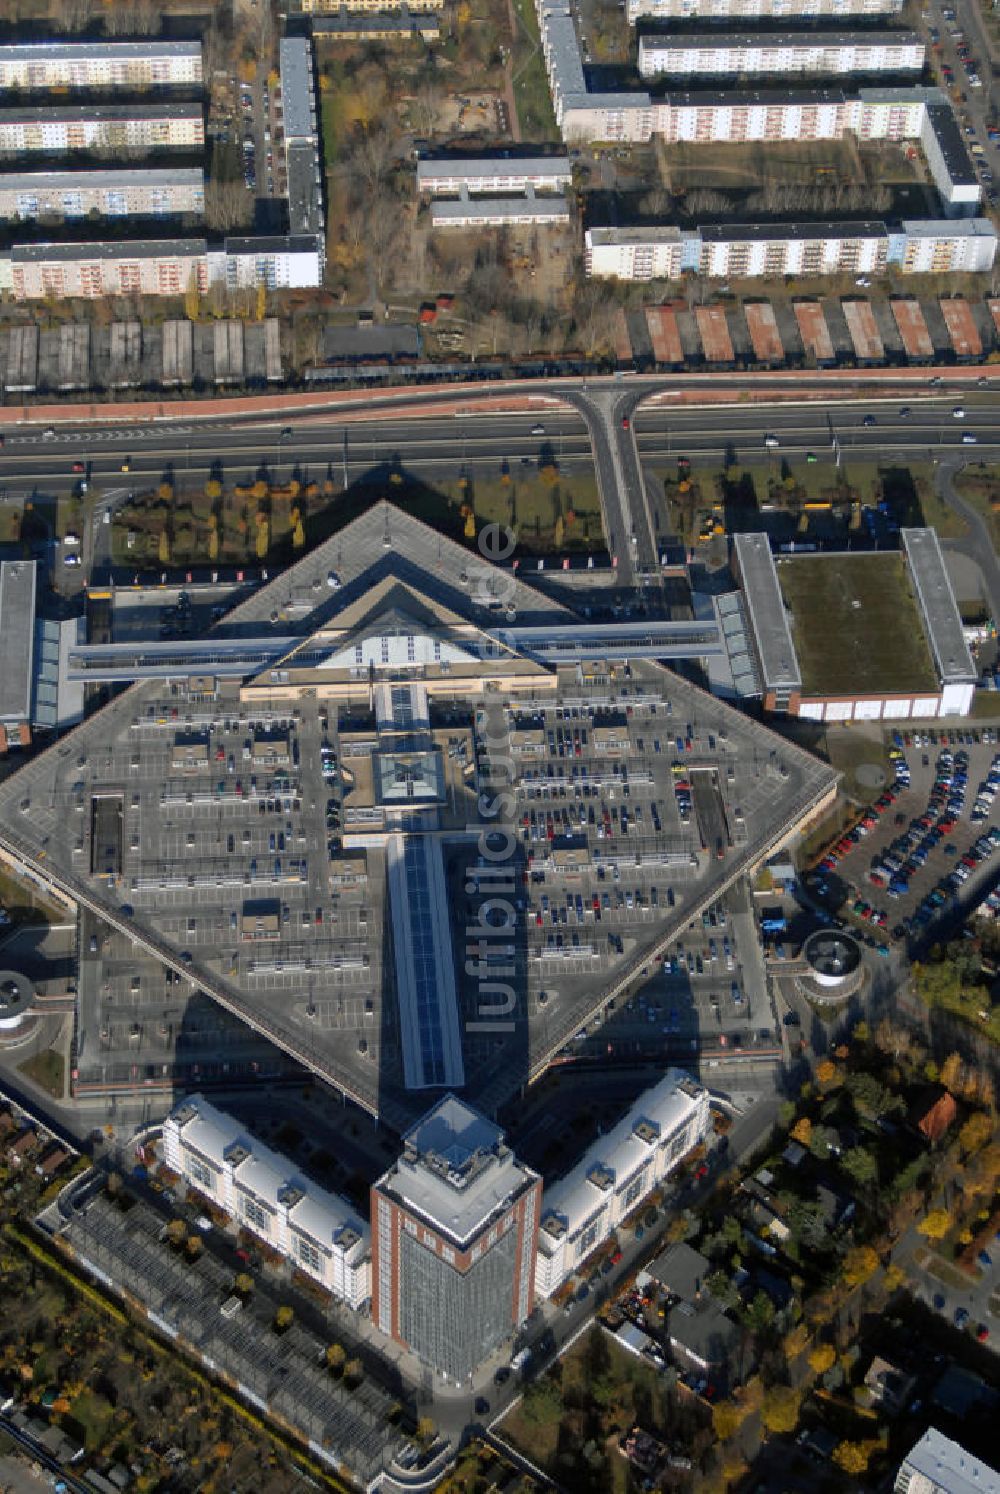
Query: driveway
(978, 543)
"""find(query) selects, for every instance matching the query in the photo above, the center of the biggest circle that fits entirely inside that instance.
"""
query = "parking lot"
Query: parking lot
(925, 852)
(628, 814)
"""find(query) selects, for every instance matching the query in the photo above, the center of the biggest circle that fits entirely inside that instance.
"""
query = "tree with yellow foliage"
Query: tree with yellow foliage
(727, 1418)
(165, 492)
(854, 1457)
(780, 1411)
(213, 489)
(469, 529)
(802, 1130)
(935, 1225)
(860, 1265)
(822, 1358)
(163, 548)
(192, 298)
(260, 489)
(976, 1132)
(298, 535)
(213, 544)
(827, 1073)
(261, 300)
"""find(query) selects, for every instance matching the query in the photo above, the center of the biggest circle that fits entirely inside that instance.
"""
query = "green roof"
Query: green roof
(856, 625)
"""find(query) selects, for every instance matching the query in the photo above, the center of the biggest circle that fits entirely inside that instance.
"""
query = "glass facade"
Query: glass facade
(455, 1321)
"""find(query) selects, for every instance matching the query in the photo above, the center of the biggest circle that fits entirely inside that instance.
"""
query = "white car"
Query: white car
(959, 412)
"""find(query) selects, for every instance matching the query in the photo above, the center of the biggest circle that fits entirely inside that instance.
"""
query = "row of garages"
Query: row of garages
(820, 332)
(136, 354)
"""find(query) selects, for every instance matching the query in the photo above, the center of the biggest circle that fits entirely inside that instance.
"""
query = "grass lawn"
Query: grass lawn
(847, 748)
(527, 500)
(47, 1069)
(986, 705)
(855, 625)
(729, 167)
(94, 1415)
(532, 505)
(531, 85)
(980, 487)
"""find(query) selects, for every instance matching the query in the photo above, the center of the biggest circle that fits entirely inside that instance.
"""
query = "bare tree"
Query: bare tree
(68, 15)
(228, 205)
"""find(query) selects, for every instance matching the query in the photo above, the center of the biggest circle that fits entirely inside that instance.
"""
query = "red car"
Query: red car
(624, 422)
(79, 467)
(242, 1255)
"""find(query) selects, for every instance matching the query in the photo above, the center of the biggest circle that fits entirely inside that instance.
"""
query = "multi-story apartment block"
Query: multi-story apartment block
(319, 7)
(757, 10)
(294, 262)
(768, 250)
(643, 253)
(584, 1208)
(145, 64)
(945, 246)
(686, 54)
(263, 1194)
(948, 160)
(74, 194)
(818, 114)
(449, 175)
(454, 1230)
(57, 129)
(771, 250)
(302, 168)
(159, 267)
(149, 268)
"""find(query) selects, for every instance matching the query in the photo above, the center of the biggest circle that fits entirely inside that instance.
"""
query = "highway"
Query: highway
(613, 430)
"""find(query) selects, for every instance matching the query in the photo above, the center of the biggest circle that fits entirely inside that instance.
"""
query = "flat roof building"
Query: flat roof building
(857, 635)
(941, 617)
(298, 102)
(448, 175)
(108, 64)
(948, 159)
(454, 1225)
(116, 193)
(17, 641)
(754, 10)
(376, 26)
(500, 212)
(753, 564)
(318, 1231)
(739, 54)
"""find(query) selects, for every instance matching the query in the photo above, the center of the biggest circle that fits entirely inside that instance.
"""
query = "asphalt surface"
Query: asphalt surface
(157, 450)
(609, 432)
